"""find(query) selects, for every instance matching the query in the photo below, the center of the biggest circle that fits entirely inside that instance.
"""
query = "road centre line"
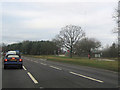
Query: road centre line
(55, 67)
(33, 79)
(43, 63)
(36, 61)
(33, 61)
(41, 87)
(43, 59)
(86, 77)
(24, 68)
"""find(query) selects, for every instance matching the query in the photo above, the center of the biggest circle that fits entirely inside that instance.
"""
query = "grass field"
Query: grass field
(109, 65)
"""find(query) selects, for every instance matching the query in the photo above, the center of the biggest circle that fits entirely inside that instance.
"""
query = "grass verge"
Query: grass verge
(108, 65)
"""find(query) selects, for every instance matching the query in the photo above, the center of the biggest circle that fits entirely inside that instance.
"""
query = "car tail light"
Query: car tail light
(20, 60)
(6, 60)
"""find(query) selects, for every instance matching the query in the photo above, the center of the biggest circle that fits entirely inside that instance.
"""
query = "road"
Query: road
(40, 73)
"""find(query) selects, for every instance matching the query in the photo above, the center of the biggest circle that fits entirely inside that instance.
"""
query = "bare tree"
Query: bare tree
(116, 17)
(69, 36)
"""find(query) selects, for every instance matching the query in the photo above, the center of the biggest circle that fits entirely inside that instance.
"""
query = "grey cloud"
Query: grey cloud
(36, 21)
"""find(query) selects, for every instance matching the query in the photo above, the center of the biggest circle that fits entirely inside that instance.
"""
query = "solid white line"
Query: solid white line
(24, 68)
(34, 80)
(55, 68)
(87, 77)
(43, 63)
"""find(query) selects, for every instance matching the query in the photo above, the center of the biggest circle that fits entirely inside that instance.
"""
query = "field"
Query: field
(109, 65)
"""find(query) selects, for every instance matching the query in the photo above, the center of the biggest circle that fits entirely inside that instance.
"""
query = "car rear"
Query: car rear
(13, 61)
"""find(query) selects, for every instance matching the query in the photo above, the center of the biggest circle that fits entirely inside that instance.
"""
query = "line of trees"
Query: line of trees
(33, 47)
(86, 46)
(110, 51)
(71, 38)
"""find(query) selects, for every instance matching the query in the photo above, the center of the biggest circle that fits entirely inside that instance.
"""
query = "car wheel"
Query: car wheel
(21, 67)
(5, 67)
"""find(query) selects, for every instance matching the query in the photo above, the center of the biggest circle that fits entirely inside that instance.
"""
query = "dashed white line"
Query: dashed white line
(43, 63)
(87, 77)
(41, 87)
(24, 68)
(34, 80)
(43, 59)
(55, 67)
(35, 61)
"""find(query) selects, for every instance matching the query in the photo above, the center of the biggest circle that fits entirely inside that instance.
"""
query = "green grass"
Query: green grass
(109, 65)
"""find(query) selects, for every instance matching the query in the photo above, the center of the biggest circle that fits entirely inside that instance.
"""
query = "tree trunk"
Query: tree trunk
(71, 52)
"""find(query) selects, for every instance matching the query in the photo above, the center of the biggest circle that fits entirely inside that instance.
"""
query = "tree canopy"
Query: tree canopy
(69, 36)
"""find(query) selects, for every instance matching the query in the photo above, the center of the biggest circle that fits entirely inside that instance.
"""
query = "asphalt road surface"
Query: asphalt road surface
(40, 73)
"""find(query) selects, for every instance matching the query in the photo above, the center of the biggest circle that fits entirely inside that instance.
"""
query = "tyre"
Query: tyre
(5, 67)
(20, 67)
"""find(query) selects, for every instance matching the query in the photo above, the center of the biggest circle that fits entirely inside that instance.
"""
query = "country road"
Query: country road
(40, 73)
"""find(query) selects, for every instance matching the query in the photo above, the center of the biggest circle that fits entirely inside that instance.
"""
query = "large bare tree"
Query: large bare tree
(116, 17)
(69, 36)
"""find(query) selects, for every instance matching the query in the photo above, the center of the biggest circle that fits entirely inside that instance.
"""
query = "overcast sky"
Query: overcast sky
(43, 20)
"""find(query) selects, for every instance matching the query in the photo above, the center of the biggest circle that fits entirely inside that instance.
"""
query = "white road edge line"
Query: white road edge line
(24, 68)
(43, 63)
(55, 68)
(87, 77)
(34, 80)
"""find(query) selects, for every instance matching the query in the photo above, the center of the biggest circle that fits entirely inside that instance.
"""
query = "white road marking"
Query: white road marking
(87, 77)
(55, 68)
(34, 80)
(24, 68)
(36, 61)
(41, 87)
(43, 59)
(43, 63)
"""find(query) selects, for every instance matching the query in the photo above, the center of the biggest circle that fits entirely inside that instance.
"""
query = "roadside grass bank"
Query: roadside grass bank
(111, 58)
(108, 65)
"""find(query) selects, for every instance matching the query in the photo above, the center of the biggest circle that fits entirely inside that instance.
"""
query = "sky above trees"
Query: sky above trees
(43, 20)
